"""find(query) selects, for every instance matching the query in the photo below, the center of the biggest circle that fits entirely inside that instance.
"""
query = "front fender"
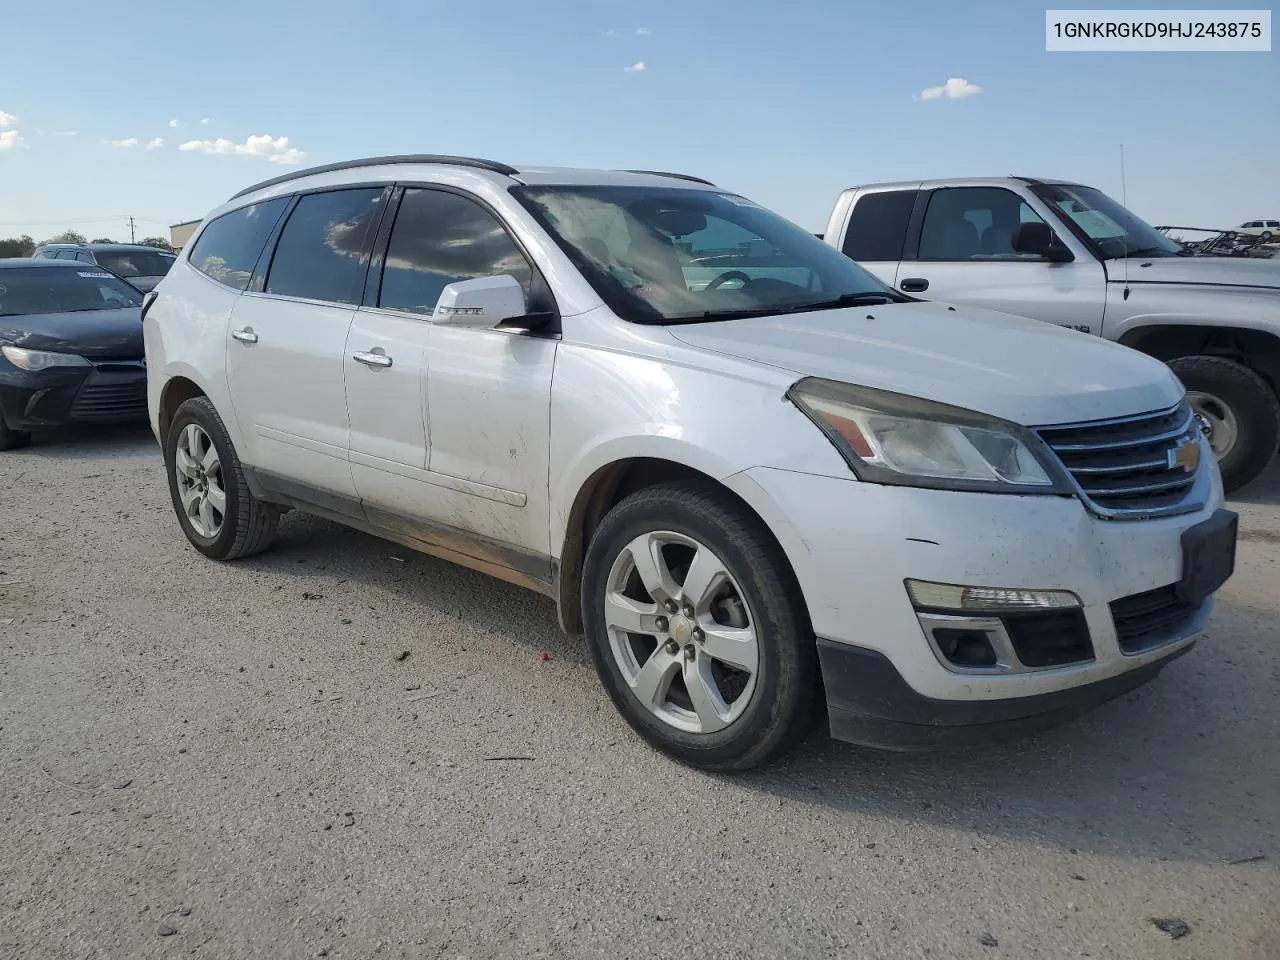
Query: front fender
(1189, 304)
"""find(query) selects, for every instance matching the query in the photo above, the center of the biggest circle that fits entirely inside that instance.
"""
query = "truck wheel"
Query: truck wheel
(12, 439)
(1266, 236)
(698, 629)
(1239, 411)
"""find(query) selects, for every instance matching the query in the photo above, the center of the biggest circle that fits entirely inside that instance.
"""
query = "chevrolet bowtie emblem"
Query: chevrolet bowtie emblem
(1185, 455)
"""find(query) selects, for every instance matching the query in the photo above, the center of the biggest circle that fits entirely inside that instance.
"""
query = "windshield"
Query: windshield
(662, 255)
(135, 263)
(1111, 229)
(63, 290)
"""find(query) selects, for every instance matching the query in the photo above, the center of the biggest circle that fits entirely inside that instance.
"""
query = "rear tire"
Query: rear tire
(12, 439)
(1241, 411)
(740, 682)
(215, 508)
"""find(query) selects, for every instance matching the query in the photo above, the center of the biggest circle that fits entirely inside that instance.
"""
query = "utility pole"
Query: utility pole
(132, 237)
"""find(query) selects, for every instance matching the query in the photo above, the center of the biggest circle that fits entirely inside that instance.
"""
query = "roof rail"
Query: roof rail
(490, 165)
(674, 176)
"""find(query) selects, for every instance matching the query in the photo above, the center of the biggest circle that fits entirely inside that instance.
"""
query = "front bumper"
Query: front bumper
(108, 391)
(869, 703)
(852, 546)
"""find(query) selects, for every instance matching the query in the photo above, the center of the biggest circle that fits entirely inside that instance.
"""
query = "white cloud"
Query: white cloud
(643, 31)
(637, 67)
(65, 133)
(127, 142)
(7, 120)
(156, 143)
(204, 121)
(610, 33)
(275, 149)
(10, 139)
(957, 88)
(174, 124)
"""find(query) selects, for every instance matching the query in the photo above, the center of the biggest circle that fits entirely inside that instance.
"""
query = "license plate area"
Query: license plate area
(1208, 556)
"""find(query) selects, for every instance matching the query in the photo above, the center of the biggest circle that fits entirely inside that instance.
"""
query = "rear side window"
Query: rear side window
(878, 228)
(228, 248)
(322, 253)
(440, 238)
(135, 263)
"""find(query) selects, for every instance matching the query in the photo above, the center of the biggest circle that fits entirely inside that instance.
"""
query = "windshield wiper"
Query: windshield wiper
(864, 299)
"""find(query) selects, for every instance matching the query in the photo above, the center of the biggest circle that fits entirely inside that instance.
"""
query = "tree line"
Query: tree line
(24, 246)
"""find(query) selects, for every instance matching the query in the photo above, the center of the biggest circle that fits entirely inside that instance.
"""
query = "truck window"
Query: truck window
(878, 227)
(974, 223)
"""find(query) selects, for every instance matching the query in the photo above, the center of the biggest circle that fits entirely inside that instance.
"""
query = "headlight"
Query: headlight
(34, 360)
(891, 438)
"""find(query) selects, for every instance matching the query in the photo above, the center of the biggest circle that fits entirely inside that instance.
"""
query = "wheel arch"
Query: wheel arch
(176, 391)
(603, 489)
(1259, 350)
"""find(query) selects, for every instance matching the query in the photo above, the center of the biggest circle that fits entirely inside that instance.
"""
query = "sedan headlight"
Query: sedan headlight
(891, 438)
(33, 360)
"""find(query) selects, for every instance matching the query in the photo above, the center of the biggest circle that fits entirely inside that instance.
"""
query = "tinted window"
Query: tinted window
(63, 290)
(135, 263)
(228, 248)
(66, 255)
(322, 252)
(440, 238)
(974, 223)
(878, 227)
(85, 258)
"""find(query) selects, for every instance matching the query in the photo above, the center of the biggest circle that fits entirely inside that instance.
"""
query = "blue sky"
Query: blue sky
(784, 102)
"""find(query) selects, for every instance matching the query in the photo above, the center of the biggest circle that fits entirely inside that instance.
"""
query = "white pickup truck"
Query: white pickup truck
(1070, 255)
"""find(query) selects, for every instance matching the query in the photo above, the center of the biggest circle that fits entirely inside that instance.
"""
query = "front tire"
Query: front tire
(12, 439)
(1240, 412)
(698, 629)
(215, 508)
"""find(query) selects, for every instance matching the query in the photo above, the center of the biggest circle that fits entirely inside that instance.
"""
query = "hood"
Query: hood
(1225, 271)
(94, 334)
(1005, 366)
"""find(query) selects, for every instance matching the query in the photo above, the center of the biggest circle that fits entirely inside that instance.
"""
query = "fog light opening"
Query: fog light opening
(965, 647)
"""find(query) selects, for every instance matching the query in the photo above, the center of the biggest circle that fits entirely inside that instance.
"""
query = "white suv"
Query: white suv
(767, 487)
(1264, 230)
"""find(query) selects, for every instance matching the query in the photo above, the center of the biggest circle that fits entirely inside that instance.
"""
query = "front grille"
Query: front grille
(1146, 620)
(1128, 467)
(1049, 638)
(111, 400)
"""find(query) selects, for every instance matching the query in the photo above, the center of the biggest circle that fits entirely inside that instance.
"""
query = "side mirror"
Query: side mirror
(1038, 239)
(482, 302)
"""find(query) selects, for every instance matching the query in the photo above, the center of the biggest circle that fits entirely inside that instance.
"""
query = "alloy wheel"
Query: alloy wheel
(198, 470)
(681, 632)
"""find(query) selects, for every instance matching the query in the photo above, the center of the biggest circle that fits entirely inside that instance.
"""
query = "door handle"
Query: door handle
(914, 285)
(245, 336)
(372, 359)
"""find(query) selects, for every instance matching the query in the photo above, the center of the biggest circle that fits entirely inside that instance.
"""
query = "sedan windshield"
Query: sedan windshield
(1111, 229)
(135, 263)
(676, 255)
(33, 290)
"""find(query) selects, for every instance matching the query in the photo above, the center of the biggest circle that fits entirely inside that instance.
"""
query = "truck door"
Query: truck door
(962, 253)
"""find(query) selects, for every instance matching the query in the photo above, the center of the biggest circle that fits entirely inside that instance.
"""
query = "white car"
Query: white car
(1264, 230)
(769, 489)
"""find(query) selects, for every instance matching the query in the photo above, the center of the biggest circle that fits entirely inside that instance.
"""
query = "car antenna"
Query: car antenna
(1124, 200)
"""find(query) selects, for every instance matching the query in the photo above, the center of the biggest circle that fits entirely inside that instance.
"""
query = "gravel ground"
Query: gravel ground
(236, 760)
